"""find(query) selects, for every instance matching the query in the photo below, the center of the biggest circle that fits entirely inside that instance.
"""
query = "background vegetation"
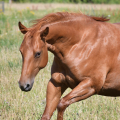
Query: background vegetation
(18, 105)
(70, 1)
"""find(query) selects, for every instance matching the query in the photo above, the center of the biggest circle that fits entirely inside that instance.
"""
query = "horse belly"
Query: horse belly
(111, 86)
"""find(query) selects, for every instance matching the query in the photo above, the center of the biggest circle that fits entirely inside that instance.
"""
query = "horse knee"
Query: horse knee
(62, 105)
(58, 78)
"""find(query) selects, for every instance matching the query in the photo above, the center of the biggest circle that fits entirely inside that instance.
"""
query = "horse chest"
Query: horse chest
(75, 70)
(71, 82)
(72, 77)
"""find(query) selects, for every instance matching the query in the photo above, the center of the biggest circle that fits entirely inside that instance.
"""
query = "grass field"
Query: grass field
(18, 105)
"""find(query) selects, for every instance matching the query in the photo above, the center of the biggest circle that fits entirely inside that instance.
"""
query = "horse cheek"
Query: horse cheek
(44, 58)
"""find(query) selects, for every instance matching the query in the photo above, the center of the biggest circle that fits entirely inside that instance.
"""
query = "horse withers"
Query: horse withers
(86, 58)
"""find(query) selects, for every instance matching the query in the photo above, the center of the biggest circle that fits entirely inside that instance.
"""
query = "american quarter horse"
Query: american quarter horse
(86, 58)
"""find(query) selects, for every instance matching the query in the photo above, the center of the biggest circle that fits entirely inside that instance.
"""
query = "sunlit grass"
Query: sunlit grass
(18, 105)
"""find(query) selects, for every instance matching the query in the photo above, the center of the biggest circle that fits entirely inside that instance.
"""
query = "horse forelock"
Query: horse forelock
(61, 17)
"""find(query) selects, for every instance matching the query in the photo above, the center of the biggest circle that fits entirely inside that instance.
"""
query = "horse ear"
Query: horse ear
(44, 32)
(22, 28)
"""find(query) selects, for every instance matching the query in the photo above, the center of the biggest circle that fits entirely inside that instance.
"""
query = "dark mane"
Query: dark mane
(61, 16)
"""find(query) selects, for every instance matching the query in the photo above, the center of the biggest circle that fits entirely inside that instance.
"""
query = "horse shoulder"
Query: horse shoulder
(57, 72)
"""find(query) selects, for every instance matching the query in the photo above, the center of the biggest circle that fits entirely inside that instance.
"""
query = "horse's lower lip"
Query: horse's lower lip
(25, 89)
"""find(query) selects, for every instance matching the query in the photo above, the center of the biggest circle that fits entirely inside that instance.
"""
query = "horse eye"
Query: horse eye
(37, 55)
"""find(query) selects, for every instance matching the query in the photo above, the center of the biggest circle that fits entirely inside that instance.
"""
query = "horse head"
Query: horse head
(34, 55)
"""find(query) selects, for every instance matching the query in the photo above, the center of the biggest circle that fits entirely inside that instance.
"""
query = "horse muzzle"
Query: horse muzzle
(25, 86)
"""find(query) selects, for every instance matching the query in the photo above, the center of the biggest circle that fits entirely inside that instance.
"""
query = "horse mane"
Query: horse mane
(101, 19)
(61, 16)
(54, 17)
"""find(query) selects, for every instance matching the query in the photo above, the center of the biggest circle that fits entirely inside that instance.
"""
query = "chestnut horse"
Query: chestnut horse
(86, 58)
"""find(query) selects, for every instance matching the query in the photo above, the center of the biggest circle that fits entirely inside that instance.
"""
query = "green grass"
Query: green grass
(68, 1)
(18, 105)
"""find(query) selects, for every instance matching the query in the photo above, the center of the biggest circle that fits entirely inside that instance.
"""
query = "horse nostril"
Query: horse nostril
(25, 87)
(28, 85)
(28, 88)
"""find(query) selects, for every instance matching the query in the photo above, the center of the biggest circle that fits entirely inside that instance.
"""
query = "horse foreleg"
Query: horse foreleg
(82, 91)
(54, 92)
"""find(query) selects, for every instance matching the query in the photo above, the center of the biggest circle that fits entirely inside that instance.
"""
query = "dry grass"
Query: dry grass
(44, 6)
(18, 105)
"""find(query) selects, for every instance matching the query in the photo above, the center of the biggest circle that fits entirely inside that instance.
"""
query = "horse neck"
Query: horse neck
(63, 36)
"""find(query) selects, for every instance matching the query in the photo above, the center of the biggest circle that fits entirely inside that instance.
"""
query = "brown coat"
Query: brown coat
(87, 58)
